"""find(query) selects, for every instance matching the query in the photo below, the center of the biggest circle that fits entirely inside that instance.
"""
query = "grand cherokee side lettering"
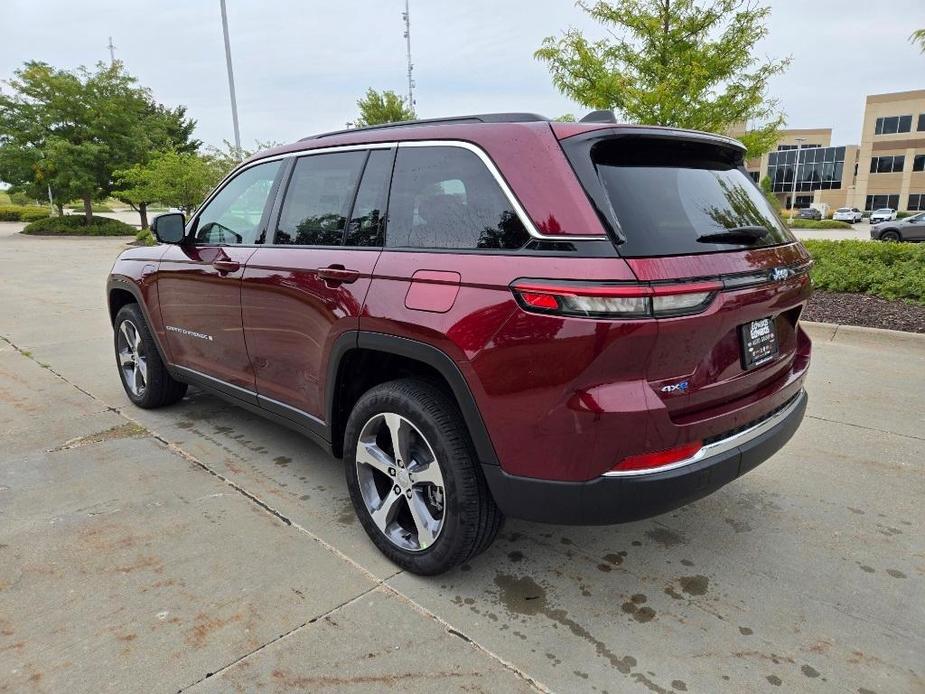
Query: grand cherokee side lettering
(188, 333)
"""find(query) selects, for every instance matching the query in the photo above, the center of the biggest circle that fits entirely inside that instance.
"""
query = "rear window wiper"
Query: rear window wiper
(746, 234)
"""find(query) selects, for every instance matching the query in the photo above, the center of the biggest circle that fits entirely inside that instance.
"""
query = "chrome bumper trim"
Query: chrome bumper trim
(721, 446)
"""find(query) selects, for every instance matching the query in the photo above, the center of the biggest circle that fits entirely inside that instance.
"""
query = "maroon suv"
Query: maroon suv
(485, 316)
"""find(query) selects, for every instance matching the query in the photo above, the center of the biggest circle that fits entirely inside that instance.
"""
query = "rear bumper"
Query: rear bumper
(621, 499)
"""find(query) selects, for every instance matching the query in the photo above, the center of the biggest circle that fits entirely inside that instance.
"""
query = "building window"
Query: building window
(818, 168)
(754, 175)
(888, 164)
(918, 163)
(784, 148)
(803, 201)
(921, 127)
(890, 125)
(916, 202)
(876, 202)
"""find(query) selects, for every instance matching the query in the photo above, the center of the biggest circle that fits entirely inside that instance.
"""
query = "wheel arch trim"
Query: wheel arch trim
(123, 283)
(437, 359)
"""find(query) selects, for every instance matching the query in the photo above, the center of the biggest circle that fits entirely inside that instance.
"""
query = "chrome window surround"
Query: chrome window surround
(475, 149)
(721, 446)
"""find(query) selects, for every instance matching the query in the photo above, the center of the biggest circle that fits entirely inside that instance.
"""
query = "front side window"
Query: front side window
(318, 199)
(233, 216)
(445, 197)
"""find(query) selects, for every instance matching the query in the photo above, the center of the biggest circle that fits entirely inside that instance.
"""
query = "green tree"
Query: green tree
(162, 129)
(71, 130)
(919, 38)
(767, 187)
(176, 179)
(680, 63)
(382, 107)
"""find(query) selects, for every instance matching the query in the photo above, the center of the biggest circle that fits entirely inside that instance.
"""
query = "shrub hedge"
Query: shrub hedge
(798, 223)
(145, 238)
(76, 225)
(887, 270)
(22, 213)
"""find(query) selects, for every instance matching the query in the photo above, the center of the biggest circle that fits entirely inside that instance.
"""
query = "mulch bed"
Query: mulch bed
(864, 310)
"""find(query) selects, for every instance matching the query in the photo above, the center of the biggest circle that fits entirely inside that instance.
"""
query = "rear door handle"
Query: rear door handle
(338, 274)
(224, 266)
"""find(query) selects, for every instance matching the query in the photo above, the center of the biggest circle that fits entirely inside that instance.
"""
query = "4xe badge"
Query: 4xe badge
(680, 387)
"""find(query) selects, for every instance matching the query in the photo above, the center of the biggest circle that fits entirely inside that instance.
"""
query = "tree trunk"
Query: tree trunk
(60, 206)
(88, 208)
(143, 213)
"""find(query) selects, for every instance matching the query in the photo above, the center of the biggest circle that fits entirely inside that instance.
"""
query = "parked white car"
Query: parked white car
(884, 214)
(848, 214)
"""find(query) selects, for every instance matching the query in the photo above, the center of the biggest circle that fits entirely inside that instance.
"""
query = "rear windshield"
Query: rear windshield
(673, 197)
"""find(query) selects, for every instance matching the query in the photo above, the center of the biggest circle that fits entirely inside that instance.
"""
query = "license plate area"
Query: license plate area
(759, 342)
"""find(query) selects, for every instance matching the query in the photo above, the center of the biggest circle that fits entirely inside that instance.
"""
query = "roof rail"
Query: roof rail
(453, 120)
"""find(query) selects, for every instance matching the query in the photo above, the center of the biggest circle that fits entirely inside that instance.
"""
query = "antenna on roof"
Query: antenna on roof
(599, 117)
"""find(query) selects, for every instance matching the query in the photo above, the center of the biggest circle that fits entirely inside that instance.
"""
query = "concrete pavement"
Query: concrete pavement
(200, 547)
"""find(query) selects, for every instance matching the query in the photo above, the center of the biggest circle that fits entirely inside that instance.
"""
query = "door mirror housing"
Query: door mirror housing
(169, 227)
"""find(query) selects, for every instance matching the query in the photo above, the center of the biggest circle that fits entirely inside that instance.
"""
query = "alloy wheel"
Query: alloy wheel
(400, 481)
(133, 362)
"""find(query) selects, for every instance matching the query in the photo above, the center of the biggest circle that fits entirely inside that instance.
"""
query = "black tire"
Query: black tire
(160, 388)
(471, 519)
(891, 236)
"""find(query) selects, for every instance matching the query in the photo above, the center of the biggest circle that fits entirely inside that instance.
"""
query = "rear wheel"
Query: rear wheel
(413, 479)
(890, 236)
(144, 376)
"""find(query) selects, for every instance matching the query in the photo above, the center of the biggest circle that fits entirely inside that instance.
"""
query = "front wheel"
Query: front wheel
(890, 236)
(146, 380)
(414, 481)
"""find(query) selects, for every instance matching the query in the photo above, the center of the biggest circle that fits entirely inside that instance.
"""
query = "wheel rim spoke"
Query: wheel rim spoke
(126, 359)
(428, 474)
(142, 365)
(370, 454)
(385, 514)
(126, 333)
(423, 521)
(399, 435)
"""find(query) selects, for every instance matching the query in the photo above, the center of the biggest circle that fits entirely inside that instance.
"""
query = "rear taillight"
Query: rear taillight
(652, 461)
(613, 300)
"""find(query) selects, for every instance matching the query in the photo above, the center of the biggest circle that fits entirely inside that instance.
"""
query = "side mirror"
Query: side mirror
(169, 228)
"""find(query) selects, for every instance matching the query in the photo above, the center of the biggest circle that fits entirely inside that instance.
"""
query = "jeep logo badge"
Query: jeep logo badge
(779, 273)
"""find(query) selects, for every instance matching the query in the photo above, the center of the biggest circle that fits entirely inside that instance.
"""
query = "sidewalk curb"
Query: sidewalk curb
(858, 335)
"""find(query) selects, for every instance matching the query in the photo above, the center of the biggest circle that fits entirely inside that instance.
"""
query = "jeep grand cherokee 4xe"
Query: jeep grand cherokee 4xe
(484, 317)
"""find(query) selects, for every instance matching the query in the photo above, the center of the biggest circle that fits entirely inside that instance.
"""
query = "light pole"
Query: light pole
(234, 101)
(796, 169)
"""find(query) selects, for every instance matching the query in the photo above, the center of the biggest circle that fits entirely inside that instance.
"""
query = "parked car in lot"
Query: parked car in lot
(810, 213)
(485, 316)
(884, 214)
(852, 215)
(908, 229)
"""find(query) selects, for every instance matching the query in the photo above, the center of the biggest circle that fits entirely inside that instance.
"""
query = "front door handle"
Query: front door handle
(225, 266)
(338, 274)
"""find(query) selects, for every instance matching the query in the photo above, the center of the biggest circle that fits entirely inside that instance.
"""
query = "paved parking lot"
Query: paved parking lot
(199, 547)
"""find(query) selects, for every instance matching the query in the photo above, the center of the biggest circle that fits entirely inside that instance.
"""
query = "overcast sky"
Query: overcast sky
(301, 65)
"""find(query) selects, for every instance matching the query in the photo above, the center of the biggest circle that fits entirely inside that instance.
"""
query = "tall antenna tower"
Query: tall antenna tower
(406, 15)
(112, 51)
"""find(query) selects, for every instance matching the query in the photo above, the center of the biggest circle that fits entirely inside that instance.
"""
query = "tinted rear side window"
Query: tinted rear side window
(445, 197)
(367, 221)
(668, 195)
(318, 199)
